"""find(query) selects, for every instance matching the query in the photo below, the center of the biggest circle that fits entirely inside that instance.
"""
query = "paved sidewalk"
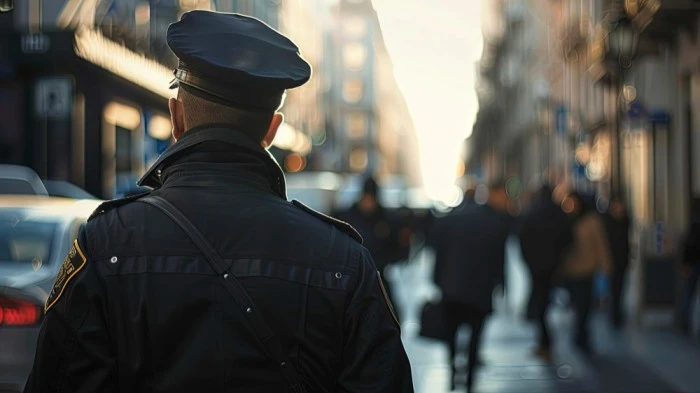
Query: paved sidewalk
(509, 364)
(625, 362)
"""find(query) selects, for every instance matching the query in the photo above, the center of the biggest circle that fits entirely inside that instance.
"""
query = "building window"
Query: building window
(188, 5)
(353, 90)
(122, 115)
(355, 27)
(159, 127)
(357, 125)
(358, 160)
(12, 135)
(354, 56)
(122, 148)
(142, 14)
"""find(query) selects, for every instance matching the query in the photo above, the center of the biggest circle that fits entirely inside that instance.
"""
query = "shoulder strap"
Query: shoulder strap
(248, 308)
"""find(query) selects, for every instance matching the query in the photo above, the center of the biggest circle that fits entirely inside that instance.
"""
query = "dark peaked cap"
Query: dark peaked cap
(235, 59)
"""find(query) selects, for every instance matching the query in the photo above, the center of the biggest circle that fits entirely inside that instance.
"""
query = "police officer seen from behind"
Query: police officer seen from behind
(262, 295)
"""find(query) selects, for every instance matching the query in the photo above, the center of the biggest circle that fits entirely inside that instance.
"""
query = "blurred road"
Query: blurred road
(625, 362)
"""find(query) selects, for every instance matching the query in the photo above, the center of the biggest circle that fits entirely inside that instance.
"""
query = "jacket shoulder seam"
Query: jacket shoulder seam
(341, 225)
(115, 203)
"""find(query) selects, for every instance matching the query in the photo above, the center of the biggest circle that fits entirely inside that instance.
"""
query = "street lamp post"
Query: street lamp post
(545, 120)
(622, 41)
(6, 5)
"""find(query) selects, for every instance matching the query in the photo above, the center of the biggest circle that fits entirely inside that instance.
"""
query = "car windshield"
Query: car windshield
(16, 187)
(25, 243)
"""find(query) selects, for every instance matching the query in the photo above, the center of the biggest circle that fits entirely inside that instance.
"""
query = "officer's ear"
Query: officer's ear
(275, 124)
(177, 117)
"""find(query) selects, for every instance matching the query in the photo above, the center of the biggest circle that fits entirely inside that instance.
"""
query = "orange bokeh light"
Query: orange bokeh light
(294, 163)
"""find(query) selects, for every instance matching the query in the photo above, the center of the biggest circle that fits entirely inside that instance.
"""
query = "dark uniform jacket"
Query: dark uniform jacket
(140, 309)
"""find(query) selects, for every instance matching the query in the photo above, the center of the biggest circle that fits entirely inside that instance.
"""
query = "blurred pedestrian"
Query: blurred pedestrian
(470, 256)
(380, 232)
(617, 224)
(440, 230)
(469, 197)
(545, 233)
(691, 267)
(589, 256)
(214, 282)
(407, 227)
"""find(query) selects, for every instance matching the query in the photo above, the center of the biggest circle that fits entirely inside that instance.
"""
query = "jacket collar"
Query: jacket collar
(153, 177)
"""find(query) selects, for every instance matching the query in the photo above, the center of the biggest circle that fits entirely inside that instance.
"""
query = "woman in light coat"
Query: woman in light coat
(589, 255)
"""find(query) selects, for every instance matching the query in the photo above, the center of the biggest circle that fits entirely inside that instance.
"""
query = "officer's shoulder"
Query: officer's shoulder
(341, 225)
(115, 203)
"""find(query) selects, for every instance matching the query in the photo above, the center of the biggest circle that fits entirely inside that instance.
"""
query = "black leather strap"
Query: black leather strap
(252, 314)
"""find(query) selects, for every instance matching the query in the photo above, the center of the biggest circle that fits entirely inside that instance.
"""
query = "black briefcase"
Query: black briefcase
(432, 321)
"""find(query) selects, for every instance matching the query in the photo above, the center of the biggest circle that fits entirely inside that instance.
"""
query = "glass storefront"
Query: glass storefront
(646, 173)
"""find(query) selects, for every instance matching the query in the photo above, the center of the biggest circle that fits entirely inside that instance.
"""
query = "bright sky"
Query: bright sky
(434, 46)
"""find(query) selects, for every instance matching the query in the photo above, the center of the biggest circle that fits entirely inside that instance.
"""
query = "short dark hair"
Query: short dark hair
(470, 193)
(201, 111)
(370, 186)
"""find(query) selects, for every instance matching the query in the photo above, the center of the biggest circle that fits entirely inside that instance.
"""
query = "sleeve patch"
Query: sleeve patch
(74, 262)
(387, 299)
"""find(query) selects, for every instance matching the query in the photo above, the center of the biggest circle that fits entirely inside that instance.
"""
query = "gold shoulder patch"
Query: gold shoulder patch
(387, 299)
(74, 262)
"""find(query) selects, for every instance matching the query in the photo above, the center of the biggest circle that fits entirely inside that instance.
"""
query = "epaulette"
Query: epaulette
(342, 225)
(109, 205)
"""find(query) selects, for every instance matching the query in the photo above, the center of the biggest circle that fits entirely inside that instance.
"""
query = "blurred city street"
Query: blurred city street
(656, 361)
(524, 170)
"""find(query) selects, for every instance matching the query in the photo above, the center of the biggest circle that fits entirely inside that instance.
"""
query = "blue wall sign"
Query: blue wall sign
(636, 110)
(659, 237)
(561, 119)
(660, 117)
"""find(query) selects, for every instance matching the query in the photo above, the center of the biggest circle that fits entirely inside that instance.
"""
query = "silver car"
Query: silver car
(36, 233)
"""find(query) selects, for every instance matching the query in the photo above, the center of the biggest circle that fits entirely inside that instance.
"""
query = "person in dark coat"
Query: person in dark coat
(440, 229)
(470, 255)
(691, 266)
(139, 307)
(469, 197)
(378, 228)
(617, 223)
(545, 233)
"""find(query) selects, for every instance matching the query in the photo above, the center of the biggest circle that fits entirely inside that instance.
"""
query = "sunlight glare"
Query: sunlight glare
(434, 47)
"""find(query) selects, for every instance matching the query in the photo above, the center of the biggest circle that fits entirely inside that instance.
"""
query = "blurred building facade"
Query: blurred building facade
(605, 93)
(84, 86)
(303, 110)
(369, 128)
(84, 102)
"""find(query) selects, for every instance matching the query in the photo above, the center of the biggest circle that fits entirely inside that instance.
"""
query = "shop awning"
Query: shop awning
(94, 47)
